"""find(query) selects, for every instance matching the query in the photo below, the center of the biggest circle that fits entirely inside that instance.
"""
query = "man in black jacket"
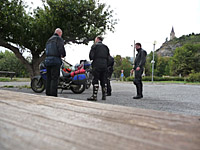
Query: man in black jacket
(138, 68)
(54, 52)
(109, 74)
(99, 53)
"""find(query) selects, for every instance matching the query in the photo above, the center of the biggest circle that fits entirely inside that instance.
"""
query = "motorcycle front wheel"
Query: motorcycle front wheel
(78, 89)
(37, 85)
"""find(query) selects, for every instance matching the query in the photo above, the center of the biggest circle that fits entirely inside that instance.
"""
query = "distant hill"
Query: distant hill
(167, 48)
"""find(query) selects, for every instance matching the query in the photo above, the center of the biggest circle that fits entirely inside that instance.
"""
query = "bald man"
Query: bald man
(54, 52)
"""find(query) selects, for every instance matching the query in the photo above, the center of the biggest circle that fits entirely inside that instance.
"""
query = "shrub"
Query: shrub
(129, 78)
(194, 77)
(155, 78)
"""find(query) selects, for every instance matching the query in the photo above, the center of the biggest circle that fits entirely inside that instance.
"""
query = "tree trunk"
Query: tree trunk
(32, 68)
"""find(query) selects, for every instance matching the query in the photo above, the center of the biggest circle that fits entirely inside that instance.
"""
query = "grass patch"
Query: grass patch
(4, 79)
(8, 86)
(23, 87)
(19, 87)
(7, 79)
(175, 82)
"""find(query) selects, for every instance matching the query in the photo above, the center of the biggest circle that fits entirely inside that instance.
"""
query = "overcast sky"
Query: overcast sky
(144, 21)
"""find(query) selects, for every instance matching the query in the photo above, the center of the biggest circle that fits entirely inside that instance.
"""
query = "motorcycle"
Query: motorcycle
(86, 65)
(68, 80)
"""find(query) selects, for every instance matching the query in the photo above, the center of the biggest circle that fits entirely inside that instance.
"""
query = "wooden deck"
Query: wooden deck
(34, 122)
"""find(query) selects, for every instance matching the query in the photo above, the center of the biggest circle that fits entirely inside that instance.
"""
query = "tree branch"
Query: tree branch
(14, 50)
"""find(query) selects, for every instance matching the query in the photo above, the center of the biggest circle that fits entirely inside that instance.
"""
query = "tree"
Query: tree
(126, 66)
(186, 59)
(122, 64)
(162, 66)
(9, 62)
(80, 20)
(117, 66)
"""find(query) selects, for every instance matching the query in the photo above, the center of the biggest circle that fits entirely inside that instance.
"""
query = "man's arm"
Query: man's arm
(143, 58)
(92, 52)
(61, 47)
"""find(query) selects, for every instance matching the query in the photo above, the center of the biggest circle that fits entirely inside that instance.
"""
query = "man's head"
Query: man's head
(98, 39)
(58, 31)
(138, 46)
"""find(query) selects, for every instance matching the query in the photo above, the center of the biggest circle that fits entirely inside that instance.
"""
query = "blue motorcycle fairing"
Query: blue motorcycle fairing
(43, 73)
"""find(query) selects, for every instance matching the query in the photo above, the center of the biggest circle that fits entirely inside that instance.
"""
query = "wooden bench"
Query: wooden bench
(7, 74)
(29, 122)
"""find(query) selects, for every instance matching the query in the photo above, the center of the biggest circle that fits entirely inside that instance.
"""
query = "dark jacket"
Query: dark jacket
(54, 50)
(110, 64)
(140, 59)
(99, 53)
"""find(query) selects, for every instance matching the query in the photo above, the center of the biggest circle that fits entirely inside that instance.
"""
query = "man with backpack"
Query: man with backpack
(54, 52)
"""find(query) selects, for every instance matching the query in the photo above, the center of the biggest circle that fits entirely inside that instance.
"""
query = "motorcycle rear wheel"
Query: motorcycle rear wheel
(78, 89)
(37, 85)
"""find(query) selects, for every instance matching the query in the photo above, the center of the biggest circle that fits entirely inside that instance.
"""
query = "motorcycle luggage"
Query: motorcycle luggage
(81, 71)
(79, 79)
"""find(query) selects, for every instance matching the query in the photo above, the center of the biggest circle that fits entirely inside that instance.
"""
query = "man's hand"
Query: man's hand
(132, 70)
(138, 68)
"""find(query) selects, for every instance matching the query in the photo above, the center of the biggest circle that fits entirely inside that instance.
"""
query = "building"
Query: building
(172, 34)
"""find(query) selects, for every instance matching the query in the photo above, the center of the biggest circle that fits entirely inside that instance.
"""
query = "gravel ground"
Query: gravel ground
(175, 98)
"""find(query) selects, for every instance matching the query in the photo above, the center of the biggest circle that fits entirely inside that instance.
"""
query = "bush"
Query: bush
(155, 78)
(194, 77)
(129, 78)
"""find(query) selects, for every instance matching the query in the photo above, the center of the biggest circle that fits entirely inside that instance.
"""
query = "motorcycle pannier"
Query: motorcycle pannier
(79, 79)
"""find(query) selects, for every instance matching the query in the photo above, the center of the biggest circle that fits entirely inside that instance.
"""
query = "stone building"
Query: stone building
(172, 34)
(168, 47)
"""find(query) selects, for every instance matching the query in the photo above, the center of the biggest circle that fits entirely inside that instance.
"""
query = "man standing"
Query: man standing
(138, 68)
(54, 52)
(109, 74)
(99, 53)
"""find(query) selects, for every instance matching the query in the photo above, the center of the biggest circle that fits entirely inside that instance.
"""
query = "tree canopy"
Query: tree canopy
(80, 20)
(122, 64)
(186, 59)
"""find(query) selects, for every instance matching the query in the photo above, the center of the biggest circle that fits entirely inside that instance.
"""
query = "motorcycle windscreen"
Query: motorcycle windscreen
(79, 79)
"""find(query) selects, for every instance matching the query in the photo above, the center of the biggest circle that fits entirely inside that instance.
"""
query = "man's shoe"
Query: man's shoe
(103, 98)
(92, 98)
(108, 94)
(138, 97)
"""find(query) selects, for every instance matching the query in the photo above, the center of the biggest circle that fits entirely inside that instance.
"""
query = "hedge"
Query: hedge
(149, 78)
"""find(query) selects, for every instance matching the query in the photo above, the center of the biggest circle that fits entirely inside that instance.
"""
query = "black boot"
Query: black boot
(94, 95)
(103, 93)
(139, 91)
(109, 89)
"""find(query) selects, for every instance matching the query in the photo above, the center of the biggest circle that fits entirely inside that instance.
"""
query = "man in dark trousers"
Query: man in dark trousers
(99, 53)
(109, 74)
(54, 52)
(138, 68)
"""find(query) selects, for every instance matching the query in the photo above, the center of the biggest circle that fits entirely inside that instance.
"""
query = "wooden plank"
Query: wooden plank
(29, 122)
